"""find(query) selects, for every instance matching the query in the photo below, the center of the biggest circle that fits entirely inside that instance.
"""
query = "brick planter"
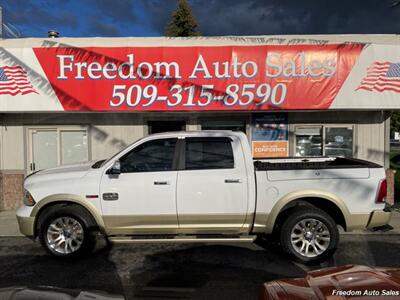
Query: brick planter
(11, 190)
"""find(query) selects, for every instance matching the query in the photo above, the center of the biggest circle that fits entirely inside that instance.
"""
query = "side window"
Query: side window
(152, 156)
(208, 153)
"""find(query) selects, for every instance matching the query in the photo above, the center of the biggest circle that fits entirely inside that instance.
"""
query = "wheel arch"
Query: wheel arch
(327, 202)
(59, 199)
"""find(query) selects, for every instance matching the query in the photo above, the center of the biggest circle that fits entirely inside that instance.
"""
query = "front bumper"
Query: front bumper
(379, 218)
(26, 223)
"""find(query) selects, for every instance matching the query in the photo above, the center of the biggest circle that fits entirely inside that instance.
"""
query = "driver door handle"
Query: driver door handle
(161, 182)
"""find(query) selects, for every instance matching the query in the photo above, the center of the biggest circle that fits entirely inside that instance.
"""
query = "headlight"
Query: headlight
(28, 199)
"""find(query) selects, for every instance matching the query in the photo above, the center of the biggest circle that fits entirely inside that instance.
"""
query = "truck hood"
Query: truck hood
(67, 168)
(59, 173)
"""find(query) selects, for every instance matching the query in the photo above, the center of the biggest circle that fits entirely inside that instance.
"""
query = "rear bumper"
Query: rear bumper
(379, 218)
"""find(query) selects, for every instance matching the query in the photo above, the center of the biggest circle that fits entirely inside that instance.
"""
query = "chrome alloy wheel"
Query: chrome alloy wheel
(65, 235)
(310, 237)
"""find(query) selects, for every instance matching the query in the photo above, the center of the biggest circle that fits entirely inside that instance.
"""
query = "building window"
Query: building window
(50, 147)
(324, 140)
(165, 126)
(338, 141)
(224, 125)
(308, 141)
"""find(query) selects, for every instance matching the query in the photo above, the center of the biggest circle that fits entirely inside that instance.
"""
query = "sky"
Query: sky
(113, 18)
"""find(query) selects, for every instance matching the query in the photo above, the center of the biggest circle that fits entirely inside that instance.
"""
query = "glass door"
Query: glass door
(74, 146)
(52, 147)
(44, 149)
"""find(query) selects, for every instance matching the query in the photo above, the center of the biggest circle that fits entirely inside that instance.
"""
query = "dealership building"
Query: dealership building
(71, 100)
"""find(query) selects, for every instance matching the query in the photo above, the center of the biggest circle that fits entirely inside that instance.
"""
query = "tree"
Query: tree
(183, 22)
(394, 123)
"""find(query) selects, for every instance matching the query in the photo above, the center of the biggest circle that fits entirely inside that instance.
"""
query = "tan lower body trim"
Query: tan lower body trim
(357, 221)
(260, 222)
(140, 224)
(209, 223)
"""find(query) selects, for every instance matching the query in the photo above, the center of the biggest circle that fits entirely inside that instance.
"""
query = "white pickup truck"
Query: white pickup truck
(203, 186)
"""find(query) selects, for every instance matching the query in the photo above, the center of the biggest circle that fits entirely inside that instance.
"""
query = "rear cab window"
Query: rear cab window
(208, 153)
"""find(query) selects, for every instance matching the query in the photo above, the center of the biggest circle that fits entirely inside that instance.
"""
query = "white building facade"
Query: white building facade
(67, 100)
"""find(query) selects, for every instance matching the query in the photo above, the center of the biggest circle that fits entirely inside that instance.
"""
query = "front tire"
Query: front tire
(309, 235)
(65, 232)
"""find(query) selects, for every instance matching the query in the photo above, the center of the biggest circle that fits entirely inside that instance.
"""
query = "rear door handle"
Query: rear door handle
(161, 183)
(233, 180)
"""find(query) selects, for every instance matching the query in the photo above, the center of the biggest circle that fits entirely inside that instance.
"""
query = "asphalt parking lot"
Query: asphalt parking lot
(180, 271)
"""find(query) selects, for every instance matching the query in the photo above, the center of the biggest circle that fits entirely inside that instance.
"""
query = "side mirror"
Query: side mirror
(115, 169)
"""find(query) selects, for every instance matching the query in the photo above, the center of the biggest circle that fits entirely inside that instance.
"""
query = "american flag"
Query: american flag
(14, 81)
(382, 76)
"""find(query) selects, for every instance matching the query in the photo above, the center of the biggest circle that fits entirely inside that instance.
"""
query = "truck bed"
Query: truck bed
(304, 163)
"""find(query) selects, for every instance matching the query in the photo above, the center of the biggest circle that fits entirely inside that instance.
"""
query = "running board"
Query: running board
(180, 239)
(382, 228)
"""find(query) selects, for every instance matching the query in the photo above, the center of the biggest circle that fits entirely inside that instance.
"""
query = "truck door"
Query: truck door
(212, 185)
(142, 199)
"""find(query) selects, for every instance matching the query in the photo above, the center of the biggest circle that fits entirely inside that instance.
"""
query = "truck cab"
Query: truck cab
(194, 182)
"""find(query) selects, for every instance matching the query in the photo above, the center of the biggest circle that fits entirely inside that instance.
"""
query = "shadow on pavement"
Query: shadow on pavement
(179, 271)
(237, 272)
(209, 272)
(374, 250)
(26, 264)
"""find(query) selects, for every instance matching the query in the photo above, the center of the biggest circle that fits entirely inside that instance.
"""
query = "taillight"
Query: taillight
(382, 191)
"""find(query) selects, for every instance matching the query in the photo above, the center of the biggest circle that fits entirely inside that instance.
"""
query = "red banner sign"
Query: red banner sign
(255, 78)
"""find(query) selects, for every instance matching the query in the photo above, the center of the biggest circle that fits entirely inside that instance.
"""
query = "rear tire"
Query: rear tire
(309, 235)
(67, 231)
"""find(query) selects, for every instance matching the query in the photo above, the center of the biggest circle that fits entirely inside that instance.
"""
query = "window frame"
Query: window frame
(175, 159)
(182, 156)
(323, 135)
